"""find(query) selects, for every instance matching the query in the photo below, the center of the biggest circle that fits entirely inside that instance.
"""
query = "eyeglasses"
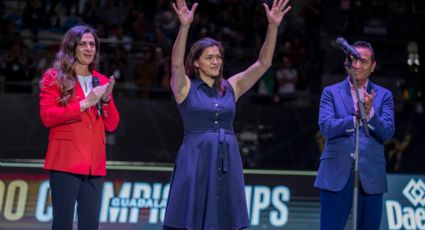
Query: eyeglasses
(363, 62)
(84, 44)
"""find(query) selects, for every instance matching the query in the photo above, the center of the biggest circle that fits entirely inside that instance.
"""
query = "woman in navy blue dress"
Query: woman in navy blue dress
(207, 187)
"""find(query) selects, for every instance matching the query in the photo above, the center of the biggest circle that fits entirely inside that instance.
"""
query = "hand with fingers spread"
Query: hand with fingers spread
(185, 15)
(279, 9)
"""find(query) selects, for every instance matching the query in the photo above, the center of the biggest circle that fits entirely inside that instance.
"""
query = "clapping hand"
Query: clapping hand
(107, 95)
(93, 97)
(368, 101)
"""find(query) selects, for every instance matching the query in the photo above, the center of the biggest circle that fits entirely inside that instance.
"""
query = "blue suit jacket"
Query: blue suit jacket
(337, 126)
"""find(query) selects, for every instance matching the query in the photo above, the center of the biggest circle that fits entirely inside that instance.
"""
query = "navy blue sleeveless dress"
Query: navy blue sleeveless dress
(207, 186)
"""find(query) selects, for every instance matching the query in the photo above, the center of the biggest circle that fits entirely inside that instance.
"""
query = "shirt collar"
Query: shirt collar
(352, 86)
(197, 82)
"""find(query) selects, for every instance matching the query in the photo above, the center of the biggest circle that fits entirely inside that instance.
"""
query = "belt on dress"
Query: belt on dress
(223, 151)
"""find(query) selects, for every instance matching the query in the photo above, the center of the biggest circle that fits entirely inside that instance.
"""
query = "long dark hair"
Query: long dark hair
(66, 59)
(196, 52)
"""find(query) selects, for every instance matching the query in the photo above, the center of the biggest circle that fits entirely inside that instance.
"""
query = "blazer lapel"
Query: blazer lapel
(369, 87)
(345, 93)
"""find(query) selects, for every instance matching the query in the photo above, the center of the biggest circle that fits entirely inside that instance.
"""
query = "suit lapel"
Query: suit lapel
(346, 97)
(369, 87)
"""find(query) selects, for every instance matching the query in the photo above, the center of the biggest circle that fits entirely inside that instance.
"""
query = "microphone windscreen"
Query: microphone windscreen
(95, 82)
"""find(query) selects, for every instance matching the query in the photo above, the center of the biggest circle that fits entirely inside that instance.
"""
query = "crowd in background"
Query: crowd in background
(137, 38)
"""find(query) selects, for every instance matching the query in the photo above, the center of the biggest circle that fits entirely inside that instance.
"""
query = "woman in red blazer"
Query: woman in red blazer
(76, 152)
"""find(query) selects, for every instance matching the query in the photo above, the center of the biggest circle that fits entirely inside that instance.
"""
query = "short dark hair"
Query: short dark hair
(366, 45)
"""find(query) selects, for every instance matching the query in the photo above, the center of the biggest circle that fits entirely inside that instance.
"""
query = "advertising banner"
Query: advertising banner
(135, 197)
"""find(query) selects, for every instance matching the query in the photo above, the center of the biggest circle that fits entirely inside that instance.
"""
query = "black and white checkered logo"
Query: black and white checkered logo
(415, 192)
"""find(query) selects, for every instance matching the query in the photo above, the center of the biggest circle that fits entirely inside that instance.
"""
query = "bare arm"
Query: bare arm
(243, 81)
(180, 83)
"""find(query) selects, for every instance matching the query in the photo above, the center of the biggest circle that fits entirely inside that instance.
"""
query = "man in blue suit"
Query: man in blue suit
(337, 119)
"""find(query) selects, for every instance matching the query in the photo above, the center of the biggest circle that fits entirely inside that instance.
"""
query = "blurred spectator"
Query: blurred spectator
(167, 24)
(19, 69)
(71, 7)
(312, 20)
(118, 38)
(398, 18)
(345, 24)
(139, 26)
(163, 74)
(418, 7)
(117, 64)
(7, 27)
(33, 16)
(113, 13)
(287, 77)
(294, 48)
(146, 72)
(266, 84)
(45, 61)
(70, 21)
(4, 23)
(91, 13)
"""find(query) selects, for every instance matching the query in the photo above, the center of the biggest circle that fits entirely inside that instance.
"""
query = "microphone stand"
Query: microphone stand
(359, 117)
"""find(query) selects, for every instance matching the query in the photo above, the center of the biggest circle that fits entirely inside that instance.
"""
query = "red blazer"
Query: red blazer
(77, 142)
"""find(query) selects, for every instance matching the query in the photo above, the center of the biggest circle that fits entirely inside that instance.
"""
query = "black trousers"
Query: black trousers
(67, 189)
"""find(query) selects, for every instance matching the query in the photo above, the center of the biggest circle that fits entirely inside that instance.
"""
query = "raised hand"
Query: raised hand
(279, 9)
(185, 15)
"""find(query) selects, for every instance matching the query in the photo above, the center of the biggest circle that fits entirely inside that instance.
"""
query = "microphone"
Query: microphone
(347, 48)
(95, 83)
